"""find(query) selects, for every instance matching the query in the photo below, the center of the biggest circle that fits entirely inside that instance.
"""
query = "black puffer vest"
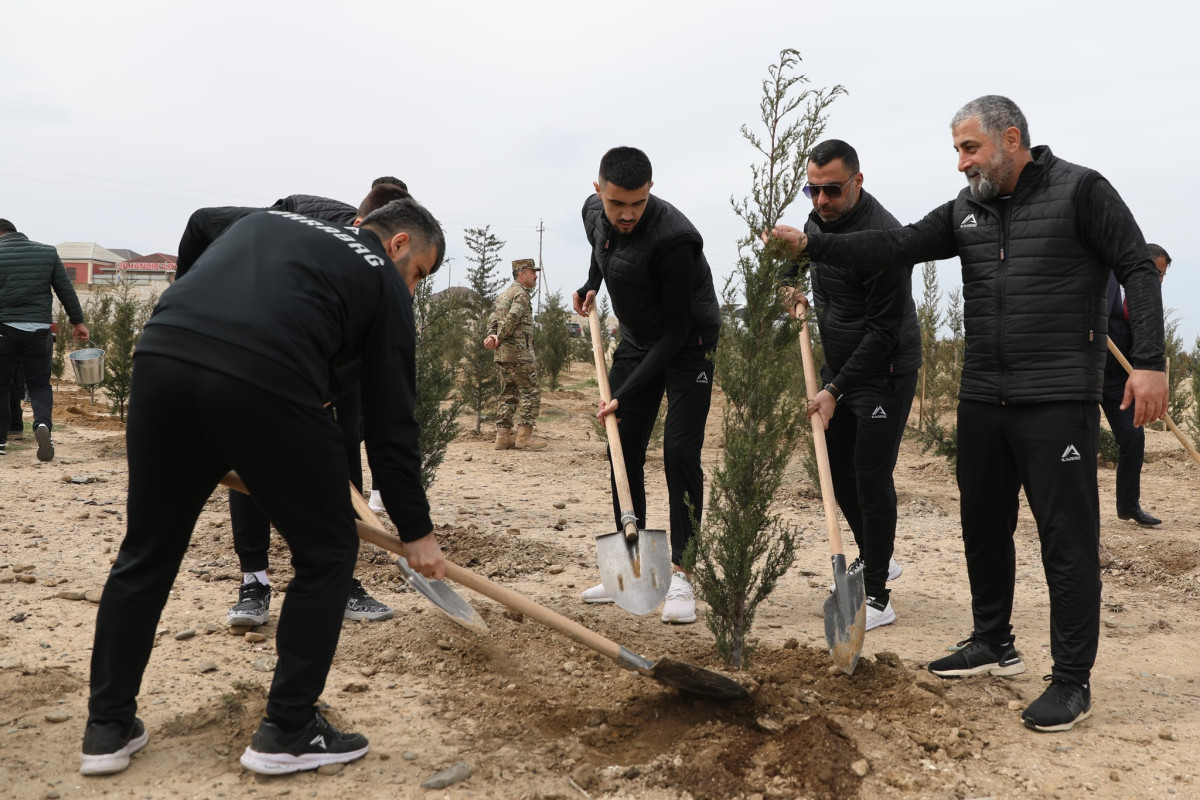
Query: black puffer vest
(1033, 294)
(627, 264)
(839, 295)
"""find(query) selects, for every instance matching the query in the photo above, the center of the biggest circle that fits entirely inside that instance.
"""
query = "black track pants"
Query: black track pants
(1050, 450)
(863, 440)
(1131, 446)
(186, 427)
(252, 529)
(687, 382)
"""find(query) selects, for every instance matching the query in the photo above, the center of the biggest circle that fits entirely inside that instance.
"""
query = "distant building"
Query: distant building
(89, 263)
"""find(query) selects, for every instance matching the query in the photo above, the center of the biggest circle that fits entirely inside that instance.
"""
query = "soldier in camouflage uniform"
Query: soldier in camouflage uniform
(510, 334)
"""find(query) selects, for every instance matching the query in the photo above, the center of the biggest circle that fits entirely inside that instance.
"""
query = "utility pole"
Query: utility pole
(541, 229)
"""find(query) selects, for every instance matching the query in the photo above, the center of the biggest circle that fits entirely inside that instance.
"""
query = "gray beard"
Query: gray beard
(983, 188)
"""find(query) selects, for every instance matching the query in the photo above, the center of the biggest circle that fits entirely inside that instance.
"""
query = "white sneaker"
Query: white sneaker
(894, 570)
(597, 594)
(376, 501)
(680, 606)
(879, 616)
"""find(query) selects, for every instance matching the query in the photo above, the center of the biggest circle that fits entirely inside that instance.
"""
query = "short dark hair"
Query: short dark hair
(1156, 251)
(7, 227)
(830, 149)
(627, 167)
(996, 114)
(408, 216)
(391, 180)
(380, 195)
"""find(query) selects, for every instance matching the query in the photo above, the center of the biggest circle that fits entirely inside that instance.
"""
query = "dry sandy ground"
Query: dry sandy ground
(534, 715)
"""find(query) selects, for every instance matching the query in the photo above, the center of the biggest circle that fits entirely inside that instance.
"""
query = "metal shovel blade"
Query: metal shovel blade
(845, 616)
(636, 572)
(690, 679)
(442, 596)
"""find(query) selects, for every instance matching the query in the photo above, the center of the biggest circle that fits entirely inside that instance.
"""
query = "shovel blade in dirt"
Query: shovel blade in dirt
(636, 572)
(845, 616)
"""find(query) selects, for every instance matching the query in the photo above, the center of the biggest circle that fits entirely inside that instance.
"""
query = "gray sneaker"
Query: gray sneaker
(361, 605)
(45, 445)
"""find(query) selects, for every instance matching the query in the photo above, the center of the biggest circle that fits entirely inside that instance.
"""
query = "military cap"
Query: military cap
(526, 263)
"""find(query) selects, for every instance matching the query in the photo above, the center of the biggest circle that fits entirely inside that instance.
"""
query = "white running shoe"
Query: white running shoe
(894, 570)
(877, 616)
(680, 606)
(376, 501)
(597, 594)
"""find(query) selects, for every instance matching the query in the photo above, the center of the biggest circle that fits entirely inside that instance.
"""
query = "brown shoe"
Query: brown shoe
(527, 441)
(504, 439)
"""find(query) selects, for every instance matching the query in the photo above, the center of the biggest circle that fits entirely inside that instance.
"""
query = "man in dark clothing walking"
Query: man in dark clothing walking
(1131, 439)
(651, 258)
(1037, 237)
(28, 272)
(872, 344)
(235, 371)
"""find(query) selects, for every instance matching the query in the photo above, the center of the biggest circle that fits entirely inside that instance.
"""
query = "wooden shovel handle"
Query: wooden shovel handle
(1120, 357)
(818, 429)
(370, 529)
(620, 476)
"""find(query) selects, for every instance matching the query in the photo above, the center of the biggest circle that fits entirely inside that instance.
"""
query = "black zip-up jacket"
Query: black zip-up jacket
(659, 281)
(868, 318)
(28, 271)
(282, 301)
(1035, 268)
(206, 224)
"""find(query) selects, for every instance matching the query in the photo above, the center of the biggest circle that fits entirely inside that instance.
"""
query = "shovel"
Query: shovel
(635, 565)
(845, 608)
(434, 591)
(1120, 357)
(678, 674)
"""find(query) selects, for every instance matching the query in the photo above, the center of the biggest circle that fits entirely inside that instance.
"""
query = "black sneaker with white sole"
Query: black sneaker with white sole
(1064, 703)
(273, 752)
(978, 658)
(108, 746)
(360, 605)
(253, 605)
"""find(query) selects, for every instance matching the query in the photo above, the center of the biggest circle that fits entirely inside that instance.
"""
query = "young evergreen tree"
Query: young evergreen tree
(439, 337)
(1178, 394)
(1194, 417)
(58, 362)
(929, 318)
(743, 547)
(129, 316)
(479, 382)
(552, 343)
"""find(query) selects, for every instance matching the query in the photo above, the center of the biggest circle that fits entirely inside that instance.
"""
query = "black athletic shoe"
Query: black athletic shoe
(107, 747)
(1064, 703)
(976, 658)
(273, 752)
(360, 605)
(253, 605)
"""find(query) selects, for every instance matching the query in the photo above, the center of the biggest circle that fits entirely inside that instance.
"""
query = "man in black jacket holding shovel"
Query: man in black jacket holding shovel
(872, 346)
(651, 258)
(1037, 237)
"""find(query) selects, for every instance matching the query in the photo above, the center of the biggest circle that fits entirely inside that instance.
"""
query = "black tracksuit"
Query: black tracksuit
(663, 295)
(872, 344)
(251, 528)
(1035, 268)
(235, 370)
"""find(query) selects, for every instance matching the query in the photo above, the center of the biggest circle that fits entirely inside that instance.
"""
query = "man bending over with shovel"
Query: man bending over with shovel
(233, 372)
(651, 258)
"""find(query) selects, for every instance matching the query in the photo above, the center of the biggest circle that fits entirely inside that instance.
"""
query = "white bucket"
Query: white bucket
(88, 365)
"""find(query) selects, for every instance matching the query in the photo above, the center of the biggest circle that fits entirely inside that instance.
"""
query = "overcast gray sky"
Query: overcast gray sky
(118, 119)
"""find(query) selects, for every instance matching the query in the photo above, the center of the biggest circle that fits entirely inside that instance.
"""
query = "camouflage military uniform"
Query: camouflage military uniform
(512, 324)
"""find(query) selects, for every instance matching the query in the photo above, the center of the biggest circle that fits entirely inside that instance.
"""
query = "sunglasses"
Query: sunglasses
(831, 190)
